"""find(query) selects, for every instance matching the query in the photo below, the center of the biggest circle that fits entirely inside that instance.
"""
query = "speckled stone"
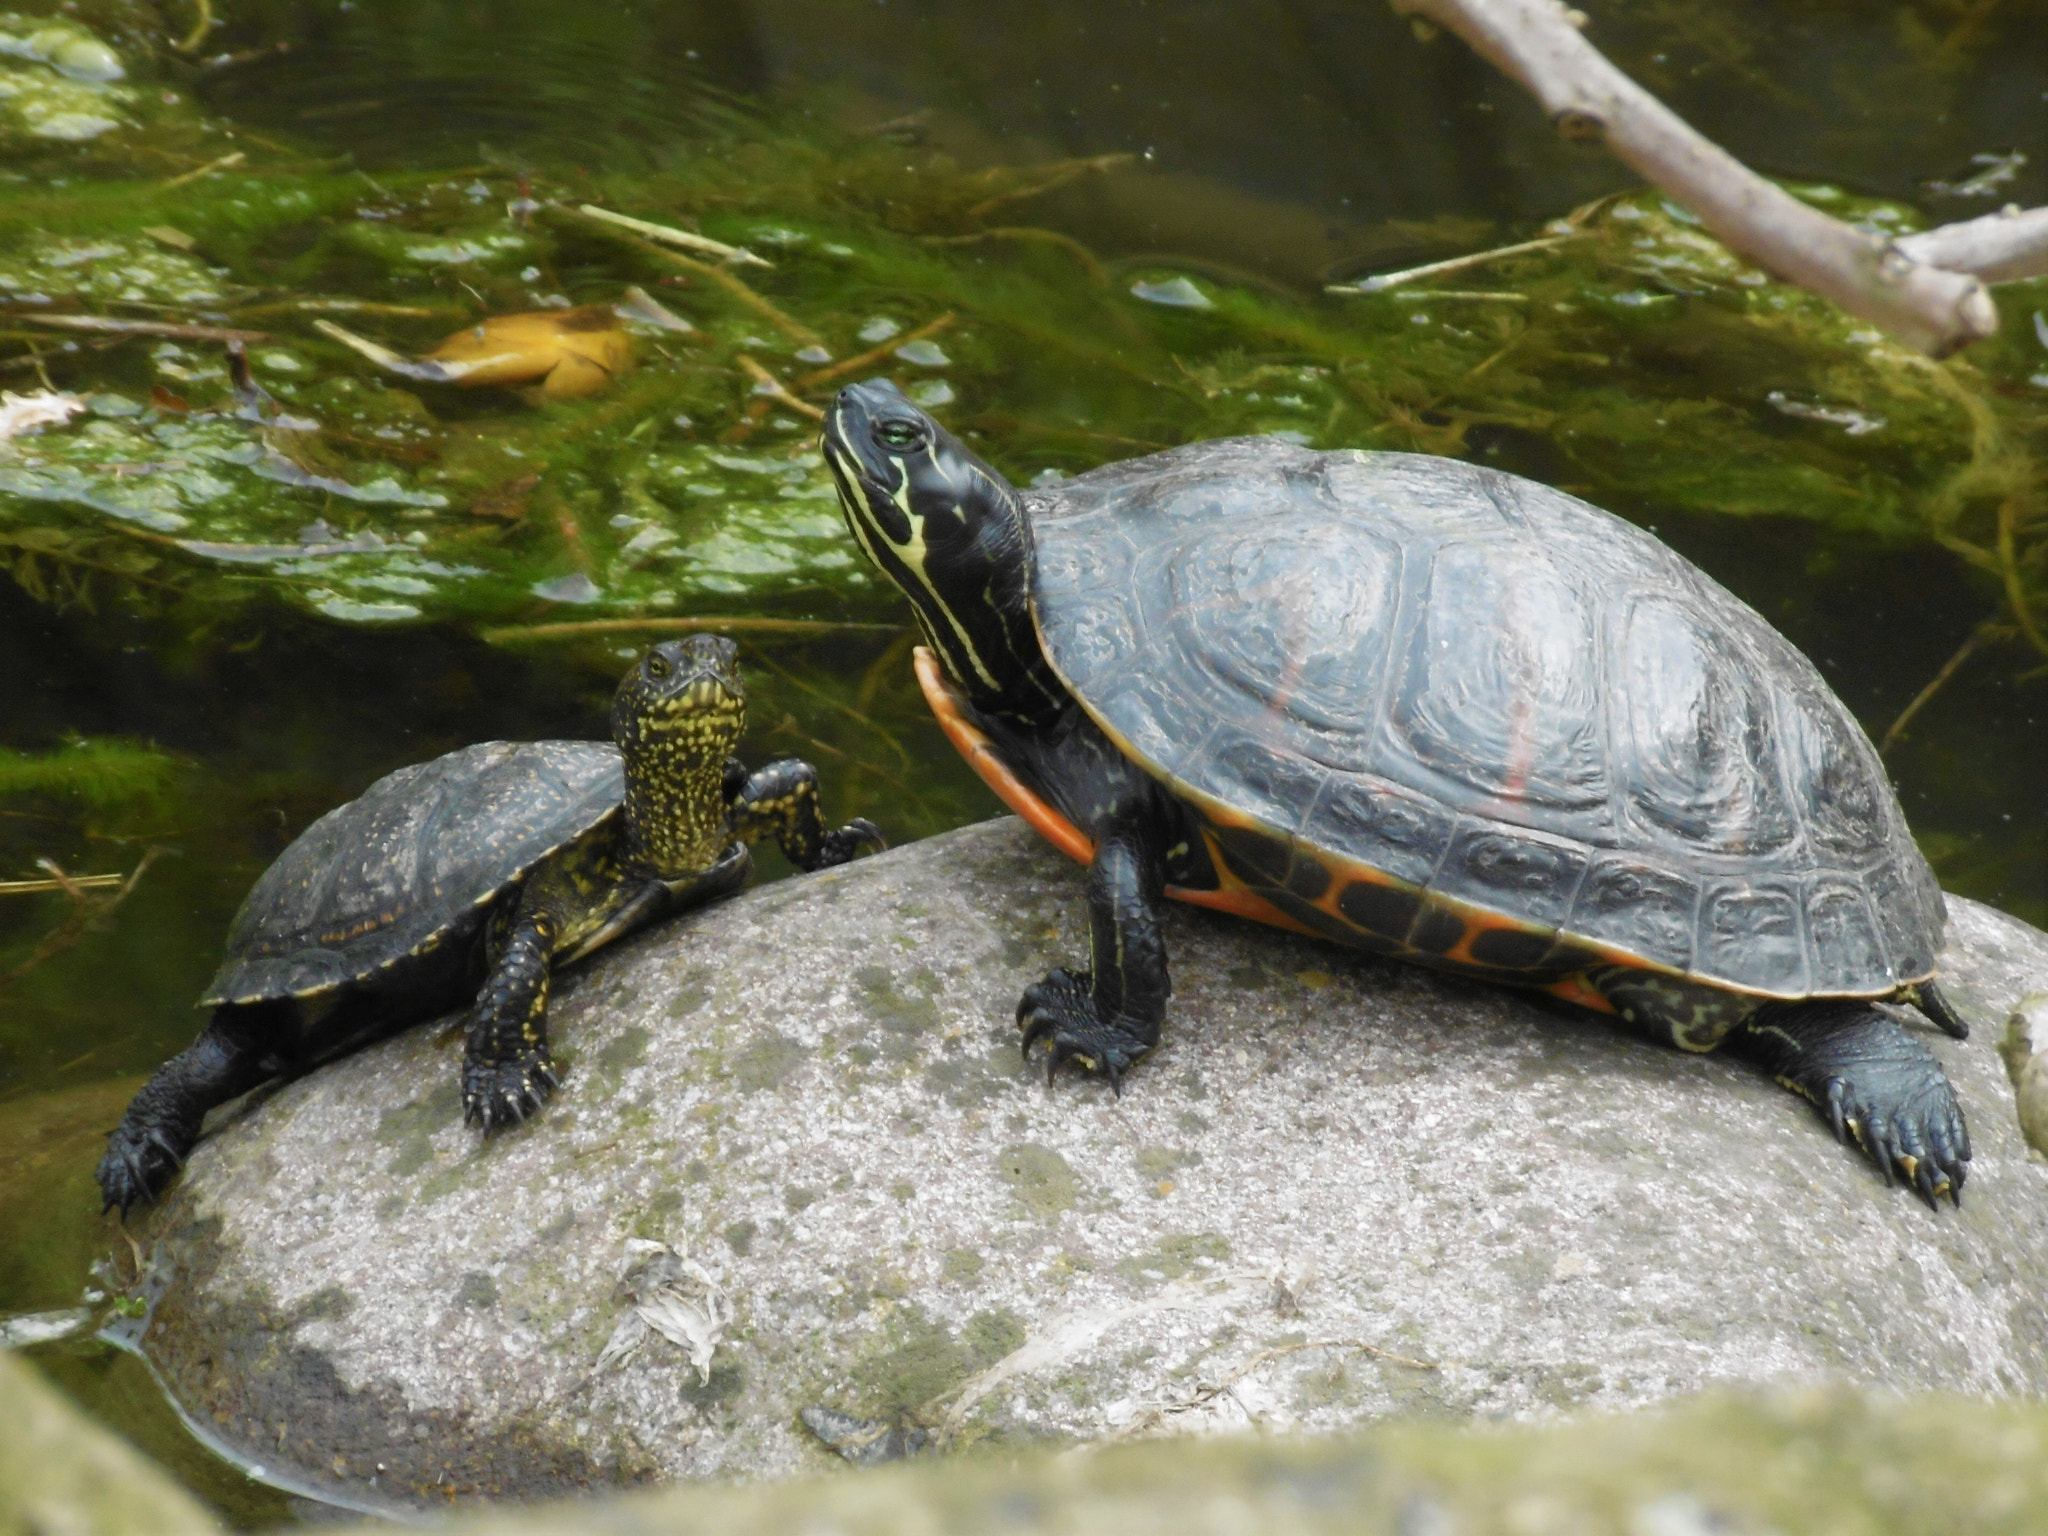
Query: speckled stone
(814, 1091)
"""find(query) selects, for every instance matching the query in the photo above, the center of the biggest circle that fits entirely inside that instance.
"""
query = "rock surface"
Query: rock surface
(1341, 1190)
(1724, 1466)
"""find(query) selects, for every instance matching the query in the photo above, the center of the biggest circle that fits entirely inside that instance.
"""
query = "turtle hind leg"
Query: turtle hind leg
(507, 1072)
(162, 1122)
(1873, 1080)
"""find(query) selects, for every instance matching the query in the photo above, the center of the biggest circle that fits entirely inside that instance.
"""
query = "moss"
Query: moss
(1041, 1178)
(765, 1061)
(739, 1237)
(1176, 1257)
(962, 1266)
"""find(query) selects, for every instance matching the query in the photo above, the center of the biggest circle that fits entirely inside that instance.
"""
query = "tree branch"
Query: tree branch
(1926, 289)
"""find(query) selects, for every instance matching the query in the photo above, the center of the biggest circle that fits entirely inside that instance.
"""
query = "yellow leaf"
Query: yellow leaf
(572, 351)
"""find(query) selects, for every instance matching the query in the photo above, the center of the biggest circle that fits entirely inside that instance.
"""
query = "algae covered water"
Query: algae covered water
(239, 588)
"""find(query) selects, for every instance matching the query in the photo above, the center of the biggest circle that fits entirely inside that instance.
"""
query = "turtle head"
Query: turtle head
(682, 706)
(951, 533)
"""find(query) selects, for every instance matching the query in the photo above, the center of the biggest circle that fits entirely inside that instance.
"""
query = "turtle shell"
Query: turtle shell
(1479, 719)
(412, 865)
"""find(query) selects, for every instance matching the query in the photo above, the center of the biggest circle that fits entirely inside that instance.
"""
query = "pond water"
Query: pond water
(1079, 232)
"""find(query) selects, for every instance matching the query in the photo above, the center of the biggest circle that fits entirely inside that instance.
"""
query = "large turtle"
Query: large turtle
(1427, 709)
(468, 878)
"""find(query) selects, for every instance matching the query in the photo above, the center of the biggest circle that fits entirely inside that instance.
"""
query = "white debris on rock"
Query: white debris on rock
(674, 1296)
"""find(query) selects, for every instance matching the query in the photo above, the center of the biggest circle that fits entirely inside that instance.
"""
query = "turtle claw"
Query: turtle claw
(500, 1094)
(1060, 1010)
(137, 1166)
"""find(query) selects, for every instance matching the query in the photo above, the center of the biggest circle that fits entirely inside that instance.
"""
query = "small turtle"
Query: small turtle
(1431, 710)
(469, 878)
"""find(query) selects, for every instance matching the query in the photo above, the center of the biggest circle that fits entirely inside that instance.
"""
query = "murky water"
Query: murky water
(245, 612)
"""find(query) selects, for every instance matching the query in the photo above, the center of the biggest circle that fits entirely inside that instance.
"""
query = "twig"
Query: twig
(1059, 175)
(797, 628)
(393, 362)
(84, 915)
(681, 237)
(69, 885)
(1988, 630)
(201, 25)
(796, 330)
(1388, 280)
(1028, 234)
(1537, 43)
(1208, 1392)
(887, 349)
(2001, 247)
(1463, 295)
(224, 163)
(770, 387)
(142, 327)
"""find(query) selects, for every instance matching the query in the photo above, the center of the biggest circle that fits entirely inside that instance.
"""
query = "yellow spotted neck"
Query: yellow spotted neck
(675, 778)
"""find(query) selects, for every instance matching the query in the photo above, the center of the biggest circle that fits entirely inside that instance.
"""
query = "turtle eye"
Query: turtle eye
(657, 667)
(900, 435)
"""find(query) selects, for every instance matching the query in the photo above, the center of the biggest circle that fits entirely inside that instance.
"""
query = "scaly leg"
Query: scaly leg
(1108, 1016)
(1873, 1081)
(162, 1122)
(781, 801)
(507, 1072)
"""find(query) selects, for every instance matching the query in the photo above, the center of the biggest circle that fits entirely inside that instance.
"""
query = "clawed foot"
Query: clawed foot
(496, 1094)
(840, 847)
(1920, 1135)
(138, 1164)
(1061, 1011)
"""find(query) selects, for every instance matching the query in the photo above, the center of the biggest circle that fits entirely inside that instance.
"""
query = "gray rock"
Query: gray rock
(1342, 1190)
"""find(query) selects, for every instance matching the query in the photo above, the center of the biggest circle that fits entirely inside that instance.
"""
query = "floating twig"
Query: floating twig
(1386, 280)
(796, 330)
(1028, 234)
(794, 628)
(1467, 295)
(669, 236)
(85, 914)
(1988, 630)
(201, 25)
(770, 388)
(224, 163)
(887, 349)
(113, 326)
(69, 884)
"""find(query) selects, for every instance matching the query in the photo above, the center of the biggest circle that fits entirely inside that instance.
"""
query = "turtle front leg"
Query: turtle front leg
(1107, 1017)
(781, 801)
(162, 1123)
(1875, 1082)
(507, 1073)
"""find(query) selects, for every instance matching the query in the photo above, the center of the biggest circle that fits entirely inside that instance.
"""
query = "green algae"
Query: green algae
(1656, 370)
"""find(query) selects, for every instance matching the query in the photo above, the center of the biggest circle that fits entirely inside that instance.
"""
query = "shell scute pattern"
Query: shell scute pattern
(461, 829)
(1468, 715)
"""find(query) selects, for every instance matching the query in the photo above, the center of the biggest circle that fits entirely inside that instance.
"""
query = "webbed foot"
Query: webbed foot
(502, 1093)
(1061, 1011)
(140, 1160)
(1878, 1086)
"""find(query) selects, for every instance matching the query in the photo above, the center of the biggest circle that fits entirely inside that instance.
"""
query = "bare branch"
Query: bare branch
(2000, 247)
(1537, 43)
